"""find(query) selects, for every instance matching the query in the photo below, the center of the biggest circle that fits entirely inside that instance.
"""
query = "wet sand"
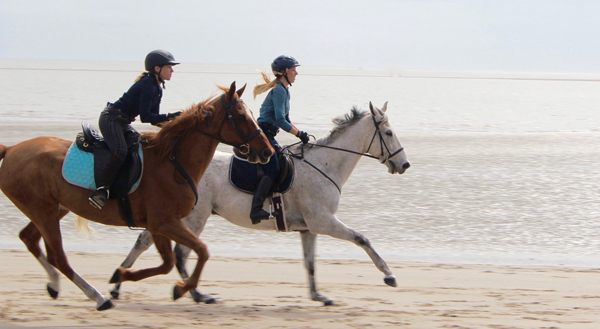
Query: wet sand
(273, 293)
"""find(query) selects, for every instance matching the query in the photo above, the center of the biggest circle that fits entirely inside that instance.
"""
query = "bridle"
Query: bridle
(381, 143)
(381, 159)
(244, 147)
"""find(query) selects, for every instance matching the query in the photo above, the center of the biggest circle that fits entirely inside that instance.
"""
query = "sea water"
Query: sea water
(504, 166)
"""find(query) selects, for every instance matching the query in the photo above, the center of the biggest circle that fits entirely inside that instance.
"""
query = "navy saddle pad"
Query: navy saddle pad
(244, 175)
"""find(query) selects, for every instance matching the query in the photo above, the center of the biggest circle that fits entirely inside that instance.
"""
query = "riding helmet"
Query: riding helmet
(281, 63)
(159, 57)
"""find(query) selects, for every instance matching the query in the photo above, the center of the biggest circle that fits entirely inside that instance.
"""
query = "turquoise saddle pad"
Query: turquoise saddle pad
(78, 168)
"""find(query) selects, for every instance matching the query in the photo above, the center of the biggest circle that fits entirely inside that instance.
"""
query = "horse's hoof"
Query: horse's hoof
(114, 294)
(178, 292)
(108, 304)
(199, 297)
(209, 300)
(390, 281)
(53, 293)
(116, 278)
(329, 302)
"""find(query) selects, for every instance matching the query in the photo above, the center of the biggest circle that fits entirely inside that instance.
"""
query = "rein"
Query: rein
(244, 148)
(366, 154)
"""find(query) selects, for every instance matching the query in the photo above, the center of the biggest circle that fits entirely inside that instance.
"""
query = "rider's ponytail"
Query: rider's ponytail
(144, 74)
(268, 85)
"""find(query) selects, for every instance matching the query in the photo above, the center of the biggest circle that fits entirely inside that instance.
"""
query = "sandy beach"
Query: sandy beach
(272, 293)
(514, 183)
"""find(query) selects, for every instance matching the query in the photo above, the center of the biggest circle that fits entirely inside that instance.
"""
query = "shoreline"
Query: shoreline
(273, 293)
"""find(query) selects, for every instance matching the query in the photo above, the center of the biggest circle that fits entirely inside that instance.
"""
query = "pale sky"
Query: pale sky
(499, 35)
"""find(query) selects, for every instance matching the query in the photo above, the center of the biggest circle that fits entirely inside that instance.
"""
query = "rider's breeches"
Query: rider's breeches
(113, 127)
(272, 167)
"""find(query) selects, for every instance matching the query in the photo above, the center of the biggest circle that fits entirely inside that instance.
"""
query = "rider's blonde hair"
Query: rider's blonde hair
(268, 85)
(144, 74)
(139, 77)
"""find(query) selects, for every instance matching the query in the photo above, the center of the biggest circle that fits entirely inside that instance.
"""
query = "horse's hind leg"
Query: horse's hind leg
(30, 235)
(331, 226)
(49, 227)
(143, 242)
(309, 246)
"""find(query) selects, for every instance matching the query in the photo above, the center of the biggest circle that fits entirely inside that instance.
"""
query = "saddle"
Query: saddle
(91, 141)
(245, 176)
(89, 154)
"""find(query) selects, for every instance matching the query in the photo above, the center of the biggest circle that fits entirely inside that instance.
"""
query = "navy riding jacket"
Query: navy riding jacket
(143, 99)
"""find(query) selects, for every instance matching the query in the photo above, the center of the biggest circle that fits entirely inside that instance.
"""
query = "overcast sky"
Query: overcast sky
(506, 35)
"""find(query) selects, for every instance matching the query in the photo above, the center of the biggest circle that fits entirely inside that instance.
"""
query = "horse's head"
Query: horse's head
(242, 130)
(385, 144)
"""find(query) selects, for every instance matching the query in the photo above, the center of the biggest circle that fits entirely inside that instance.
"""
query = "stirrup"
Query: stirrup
(262, 215)
(98, 199)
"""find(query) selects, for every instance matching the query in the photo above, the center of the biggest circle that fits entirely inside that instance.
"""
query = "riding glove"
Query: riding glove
(303, 135)
(173, 115)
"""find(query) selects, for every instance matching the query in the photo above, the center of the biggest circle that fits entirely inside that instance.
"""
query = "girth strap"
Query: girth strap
(125, 206)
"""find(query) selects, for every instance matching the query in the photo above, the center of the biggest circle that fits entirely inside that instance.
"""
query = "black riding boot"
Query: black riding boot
(258, 213)
(100, 196)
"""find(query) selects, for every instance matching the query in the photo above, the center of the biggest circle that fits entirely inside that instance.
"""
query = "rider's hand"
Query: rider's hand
(303, 135)
(173, 115)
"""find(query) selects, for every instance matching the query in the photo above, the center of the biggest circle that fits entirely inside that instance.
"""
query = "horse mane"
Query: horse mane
(341, 123)
(183, 125)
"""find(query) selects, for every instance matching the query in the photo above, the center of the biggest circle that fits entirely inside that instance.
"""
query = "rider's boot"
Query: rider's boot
(100, 196)
(258, 213)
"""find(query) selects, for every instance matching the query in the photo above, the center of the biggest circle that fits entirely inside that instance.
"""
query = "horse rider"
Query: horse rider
(274, 115)
(143, 99)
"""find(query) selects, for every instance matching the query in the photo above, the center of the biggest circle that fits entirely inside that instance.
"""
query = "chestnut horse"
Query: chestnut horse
(31, 177)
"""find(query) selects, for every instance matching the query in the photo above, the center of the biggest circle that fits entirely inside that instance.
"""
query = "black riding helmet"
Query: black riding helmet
(282, 63)
(160, 58)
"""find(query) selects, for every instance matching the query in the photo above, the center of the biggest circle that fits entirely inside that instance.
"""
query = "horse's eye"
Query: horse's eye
(389, 133)
(241, 117)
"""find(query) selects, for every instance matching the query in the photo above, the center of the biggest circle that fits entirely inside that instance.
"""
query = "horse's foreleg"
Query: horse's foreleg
(181, 255)
(163, 245)
(143, 242)
(333, 227)
(184, 236)
(363, 242)
(309, 244)
(30, 235)
(195, 221)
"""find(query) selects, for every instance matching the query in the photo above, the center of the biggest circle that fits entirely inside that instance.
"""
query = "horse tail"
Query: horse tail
(2, 151)
(83, 227)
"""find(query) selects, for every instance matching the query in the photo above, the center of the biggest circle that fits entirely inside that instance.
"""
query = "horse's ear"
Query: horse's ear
(384, 108)
(229, 95)
(241, 91)
(375, 111)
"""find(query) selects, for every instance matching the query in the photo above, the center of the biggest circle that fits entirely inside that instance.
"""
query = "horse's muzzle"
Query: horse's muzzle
(398, 169)
(265, 155)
